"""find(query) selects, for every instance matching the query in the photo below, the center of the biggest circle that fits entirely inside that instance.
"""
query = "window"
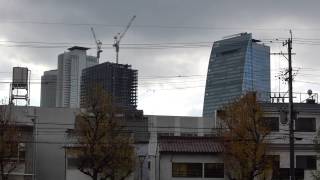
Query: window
(188, 134)
(305, 125)
(73, 163)
(272, 123)
(165, 134)
(20, 154)
(306, 162)
(186, 169)
(214, 170)
(284, 174)
(230, 52)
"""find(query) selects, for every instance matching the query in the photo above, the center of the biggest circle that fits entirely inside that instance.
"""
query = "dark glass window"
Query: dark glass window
(306, 162)
(186, 169)
(284, 174)
(73, 163)
(165, 134)
(272, 123)
(305, 125)
(214, 170)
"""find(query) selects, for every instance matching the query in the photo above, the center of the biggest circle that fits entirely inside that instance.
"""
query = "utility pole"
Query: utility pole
(291, 115)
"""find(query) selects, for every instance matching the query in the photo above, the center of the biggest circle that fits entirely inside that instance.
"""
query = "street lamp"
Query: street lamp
(141, 160)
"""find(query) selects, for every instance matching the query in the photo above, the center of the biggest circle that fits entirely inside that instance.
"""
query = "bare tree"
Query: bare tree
(245, 139)
(105, 149)
(9, 142)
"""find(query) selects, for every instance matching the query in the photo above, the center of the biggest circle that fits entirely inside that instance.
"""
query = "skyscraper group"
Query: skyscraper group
(77, 73)
(237, 64)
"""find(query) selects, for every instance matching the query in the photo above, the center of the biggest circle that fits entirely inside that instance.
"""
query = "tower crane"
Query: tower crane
(118, 38)
(98, 44)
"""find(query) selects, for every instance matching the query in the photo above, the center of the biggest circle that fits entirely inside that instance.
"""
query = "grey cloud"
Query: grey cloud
(265, 19)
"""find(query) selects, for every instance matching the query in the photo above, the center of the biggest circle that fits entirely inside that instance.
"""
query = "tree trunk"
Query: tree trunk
(3, 175)
(95, 176)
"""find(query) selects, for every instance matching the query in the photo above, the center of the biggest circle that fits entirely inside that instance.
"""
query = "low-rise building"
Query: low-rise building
(23, 160)
(174, 127)
(307, 122)
(181, 158)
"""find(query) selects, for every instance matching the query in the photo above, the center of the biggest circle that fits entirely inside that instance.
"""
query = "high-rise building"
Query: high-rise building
(70, 66)
(118, 80)
(48, 88)
(237, 64)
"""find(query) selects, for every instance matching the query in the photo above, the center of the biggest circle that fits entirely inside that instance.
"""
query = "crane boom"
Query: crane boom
(98, 44)
(119, 36)
(128, 26)
(94, 35)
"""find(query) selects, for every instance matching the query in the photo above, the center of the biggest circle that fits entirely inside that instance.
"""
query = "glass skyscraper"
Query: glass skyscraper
(237, 64)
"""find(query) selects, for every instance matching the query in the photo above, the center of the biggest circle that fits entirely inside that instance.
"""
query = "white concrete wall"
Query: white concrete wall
(180, 124)
(282, 137)
(51, 125)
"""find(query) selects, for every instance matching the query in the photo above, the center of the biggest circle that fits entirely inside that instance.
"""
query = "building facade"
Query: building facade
(187, 127)
(306, 125)
(23, 158)
(48, 88)
(70, 66)
(170, 151)
(182, 158)
(237, 64)
(179, 147)
(118, 80)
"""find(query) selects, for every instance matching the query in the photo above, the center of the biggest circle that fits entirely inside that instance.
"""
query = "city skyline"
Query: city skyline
(160, 24)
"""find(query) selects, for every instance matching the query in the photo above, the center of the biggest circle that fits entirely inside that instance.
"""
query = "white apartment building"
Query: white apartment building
(70, 66)
(178, 148)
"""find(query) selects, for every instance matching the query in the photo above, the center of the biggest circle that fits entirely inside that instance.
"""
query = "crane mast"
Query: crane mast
(118, 38)
(98, 44)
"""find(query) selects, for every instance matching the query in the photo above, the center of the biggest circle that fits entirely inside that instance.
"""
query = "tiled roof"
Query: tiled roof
(189, 144)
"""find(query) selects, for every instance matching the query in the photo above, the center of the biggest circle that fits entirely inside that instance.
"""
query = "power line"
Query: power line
(147, 26)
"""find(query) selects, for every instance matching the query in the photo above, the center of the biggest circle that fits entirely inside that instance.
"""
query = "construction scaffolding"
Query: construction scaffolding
(118, 80)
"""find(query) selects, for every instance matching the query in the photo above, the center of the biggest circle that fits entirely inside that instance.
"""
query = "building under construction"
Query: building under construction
(118, 80)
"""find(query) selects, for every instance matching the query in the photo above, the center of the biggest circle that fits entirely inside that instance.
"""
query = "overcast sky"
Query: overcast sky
(147, 46)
